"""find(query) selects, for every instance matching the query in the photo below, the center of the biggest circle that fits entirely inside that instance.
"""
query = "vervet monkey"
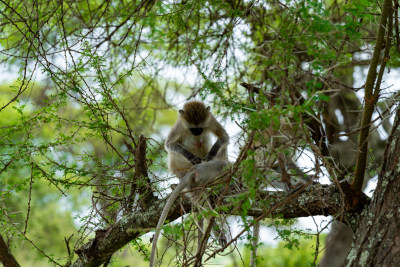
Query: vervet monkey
(189, 142)
(276, 152)
(276, 145)
(190, 154)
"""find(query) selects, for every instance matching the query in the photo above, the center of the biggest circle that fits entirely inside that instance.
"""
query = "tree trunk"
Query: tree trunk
(337, 245)
(377, 240)
(6, 258)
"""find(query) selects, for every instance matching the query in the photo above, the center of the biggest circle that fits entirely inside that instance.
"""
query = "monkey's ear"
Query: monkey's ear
(208, 108)
(181, 111)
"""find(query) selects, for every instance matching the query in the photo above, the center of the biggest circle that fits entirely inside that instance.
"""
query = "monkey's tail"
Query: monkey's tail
(174, 195)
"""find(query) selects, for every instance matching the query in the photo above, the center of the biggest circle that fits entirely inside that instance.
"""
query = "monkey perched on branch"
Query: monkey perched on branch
(189, 142)
(277, 144)
(276, 153)
(190, 154)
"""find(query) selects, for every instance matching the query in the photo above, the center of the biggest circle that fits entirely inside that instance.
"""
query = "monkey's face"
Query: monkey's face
(196, 130)
(195, 116)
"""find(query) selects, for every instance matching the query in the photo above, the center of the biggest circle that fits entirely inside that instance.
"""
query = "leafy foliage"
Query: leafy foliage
(92, 80)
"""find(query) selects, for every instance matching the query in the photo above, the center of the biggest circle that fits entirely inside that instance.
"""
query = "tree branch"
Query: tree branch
(315, 200)
(371, 96)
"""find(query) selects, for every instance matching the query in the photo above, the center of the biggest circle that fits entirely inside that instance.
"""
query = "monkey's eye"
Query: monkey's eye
(196, 131)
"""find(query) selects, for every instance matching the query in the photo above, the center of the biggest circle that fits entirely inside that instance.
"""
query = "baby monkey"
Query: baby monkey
(190, 154)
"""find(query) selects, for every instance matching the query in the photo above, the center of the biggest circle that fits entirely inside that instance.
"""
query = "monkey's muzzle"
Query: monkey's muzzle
(196, 131)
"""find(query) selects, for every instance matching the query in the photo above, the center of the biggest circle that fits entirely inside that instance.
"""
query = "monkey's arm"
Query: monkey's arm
(173, 144)
(178, 148)
(222, 141)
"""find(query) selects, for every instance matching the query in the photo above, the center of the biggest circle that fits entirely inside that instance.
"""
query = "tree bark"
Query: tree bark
(314, 200)
(377, 240)
(6, 258)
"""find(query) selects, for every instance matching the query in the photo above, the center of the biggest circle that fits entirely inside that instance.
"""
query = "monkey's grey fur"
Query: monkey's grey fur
(198, 175)
(190, 154)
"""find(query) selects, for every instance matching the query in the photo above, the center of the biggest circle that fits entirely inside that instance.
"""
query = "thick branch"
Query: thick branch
(314, 200)
(377, 239)
(6, 258)
(141, 178)
(371, 97)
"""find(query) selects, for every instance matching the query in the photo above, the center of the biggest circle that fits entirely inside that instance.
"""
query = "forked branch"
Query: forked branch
(371, 95)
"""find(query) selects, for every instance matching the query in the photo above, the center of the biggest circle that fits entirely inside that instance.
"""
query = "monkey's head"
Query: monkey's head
(195, 116)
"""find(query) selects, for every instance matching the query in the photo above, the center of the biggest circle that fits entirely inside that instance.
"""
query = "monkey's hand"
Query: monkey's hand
(209, 157)
(196, 160)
